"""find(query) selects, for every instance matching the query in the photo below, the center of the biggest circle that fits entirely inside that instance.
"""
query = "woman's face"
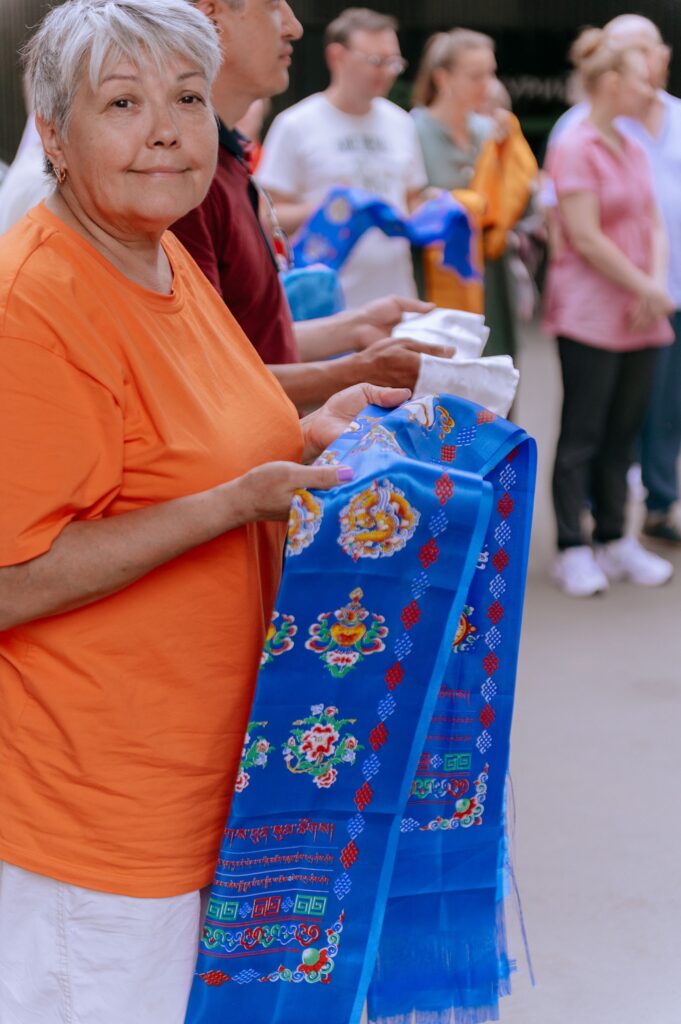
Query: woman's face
(141, 149)
(634, 90)
(468, 83)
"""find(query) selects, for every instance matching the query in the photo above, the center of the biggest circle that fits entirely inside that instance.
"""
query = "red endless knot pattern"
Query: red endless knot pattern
(410, 615)
(394, 675)
(495, 613)
(215, 978)
(487, 716)
(378, 736)
(500, 560)
(363, 796)
(349, 855)
(448, 452)
(490, 664)
(505, 506)
(444, 488)
(429, 553)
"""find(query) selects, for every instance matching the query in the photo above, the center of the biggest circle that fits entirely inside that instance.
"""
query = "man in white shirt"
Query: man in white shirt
(659, 132)
(351, 135)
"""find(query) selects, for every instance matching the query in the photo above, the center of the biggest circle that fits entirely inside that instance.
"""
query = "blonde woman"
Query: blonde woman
(485, 159)
(607, 304)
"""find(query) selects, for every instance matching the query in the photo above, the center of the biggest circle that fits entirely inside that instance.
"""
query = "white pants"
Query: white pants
(75, 956)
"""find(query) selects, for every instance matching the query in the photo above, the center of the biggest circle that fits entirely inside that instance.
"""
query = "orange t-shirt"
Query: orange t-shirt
(121, 723)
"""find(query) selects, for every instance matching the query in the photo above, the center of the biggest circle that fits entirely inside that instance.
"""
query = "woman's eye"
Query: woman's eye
(191, 99)
(121, 104)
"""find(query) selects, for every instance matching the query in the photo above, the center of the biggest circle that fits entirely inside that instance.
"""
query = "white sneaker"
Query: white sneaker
(626, 559)
(577, 573)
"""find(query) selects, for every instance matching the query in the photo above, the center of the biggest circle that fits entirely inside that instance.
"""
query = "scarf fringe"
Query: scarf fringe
(451, 1015)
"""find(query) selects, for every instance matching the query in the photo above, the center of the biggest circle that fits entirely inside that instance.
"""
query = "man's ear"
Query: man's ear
(209, 8)
(51, 141)
(334, 54)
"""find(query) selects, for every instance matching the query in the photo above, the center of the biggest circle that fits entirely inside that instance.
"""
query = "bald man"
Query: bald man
(659, 132)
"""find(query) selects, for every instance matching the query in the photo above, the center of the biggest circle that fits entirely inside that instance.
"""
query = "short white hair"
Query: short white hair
(83, 34)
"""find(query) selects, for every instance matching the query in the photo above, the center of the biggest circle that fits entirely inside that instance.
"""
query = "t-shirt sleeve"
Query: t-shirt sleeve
(61, 448)
(571, 169)
(280, 165)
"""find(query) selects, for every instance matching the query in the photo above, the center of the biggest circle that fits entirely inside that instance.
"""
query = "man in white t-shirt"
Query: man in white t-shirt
(351, 135)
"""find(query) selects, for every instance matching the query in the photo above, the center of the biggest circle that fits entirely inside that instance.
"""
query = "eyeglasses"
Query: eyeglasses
(396, 65)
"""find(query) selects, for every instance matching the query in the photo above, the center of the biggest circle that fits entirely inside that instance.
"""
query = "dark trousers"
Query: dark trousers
(661, 437)
(605, 398)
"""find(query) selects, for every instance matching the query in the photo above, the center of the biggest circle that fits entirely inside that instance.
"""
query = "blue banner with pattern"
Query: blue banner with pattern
(346, 214)
(363, 851)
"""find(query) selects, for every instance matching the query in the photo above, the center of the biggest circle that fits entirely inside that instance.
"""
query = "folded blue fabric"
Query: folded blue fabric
(313, 292)
(362, 852)
(346, 214)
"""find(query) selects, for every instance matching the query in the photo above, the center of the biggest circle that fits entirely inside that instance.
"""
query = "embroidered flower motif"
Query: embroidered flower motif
(279, 639)
(347, 641)
(317, 745)
(305, 518)
(254, 754)
(377, 522)
(319, 741)
(428, 415)
(327, 779)
(342, 659)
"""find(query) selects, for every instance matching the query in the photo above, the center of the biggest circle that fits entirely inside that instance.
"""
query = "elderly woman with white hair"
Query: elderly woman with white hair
(148, 464)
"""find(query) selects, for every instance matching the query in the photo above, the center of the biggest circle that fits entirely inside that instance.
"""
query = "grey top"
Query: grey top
(447, 165)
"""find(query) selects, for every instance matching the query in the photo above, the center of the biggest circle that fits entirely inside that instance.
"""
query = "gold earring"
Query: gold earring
(60, 174)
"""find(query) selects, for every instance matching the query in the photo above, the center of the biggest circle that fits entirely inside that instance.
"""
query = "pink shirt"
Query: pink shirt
(580, 302)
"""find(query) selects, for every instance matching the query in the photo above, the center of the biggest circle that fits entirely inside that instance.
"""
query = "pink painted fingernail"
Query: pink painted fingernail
(344, 474)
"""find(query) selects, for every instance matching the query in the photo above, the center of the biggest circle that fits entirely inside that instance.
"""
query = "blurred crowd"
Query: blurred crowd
(602, 210)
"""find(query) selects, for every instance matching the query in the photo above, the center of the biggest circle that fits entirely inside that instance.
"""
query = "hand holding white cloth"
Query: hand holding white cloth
(491, 382)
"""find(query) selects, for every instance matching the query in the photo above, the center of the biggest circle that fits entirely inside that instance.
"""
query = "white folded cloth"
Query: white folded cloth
(490, 381)
(467, 331)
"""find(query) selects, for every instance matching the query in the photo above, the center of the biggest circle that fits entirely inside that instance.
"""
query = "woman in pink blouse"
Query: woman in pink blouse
(606, 302)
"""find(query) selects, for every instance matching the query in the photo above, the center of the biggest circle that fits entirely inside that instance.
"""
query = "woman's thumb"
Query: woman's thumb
(324, 478)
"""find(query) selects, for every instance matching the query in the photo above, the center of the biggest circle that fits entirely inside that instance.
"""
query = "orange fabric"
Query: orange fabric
(121, 724)
(504, 173)
(445, 287)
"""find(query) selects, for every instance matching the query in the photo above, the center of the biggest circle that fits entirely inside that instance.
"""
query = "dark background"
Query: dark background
(532, 38)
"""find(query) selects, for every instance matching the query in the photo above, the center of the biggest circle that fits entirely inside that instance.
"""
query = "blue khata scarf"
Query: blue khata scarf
(348, 213)
(363, 852)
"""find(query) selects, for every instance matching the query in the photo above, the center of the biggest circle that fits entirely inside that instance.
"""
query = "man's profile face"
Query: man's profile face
(257, 44)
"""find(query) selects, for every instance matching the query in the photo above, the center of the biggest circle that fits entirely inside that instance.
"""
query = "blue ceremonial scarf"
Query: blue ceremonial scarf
(363, 852)
(348, 213)
(313, 292)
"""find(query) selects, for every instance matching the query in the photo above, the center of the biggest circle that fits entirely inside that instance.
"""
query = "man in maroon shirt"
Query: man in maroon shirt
(229, 241)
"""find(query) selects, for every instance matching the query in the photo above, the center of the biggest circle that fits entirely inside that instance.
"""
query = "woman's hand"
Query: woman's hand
(322, 427)
(376, 319)
(267, 491)
(652, 303)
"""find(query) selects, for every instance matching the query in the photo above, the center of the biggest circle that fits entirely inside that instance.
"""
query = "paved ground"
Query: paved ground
(595, 760)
